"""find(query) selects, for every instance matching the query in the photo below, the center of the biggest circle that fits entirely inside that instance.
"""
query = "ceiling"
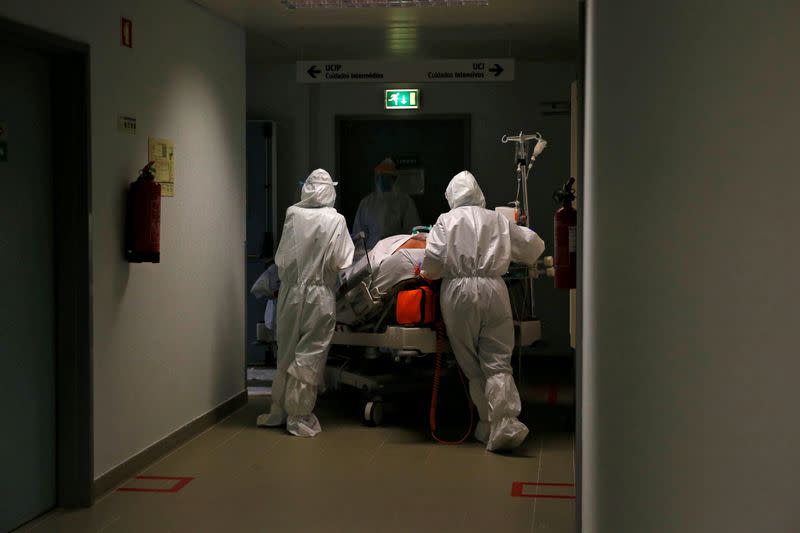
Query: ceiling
(525, 29)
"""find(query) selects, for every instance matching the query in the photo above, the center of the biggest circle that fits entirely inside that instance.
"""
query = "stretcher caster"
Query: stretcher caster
(373, 413)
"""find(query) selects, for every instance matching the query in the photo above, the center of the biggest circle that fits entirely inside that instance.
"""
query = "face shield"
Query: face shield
(385, 182)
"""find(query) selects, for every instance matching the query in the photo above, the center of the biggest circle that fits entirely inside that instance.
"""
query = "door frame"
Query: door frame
(69, 68)
(465, 118)
(272, 170)
(579, 287)
(271, 206)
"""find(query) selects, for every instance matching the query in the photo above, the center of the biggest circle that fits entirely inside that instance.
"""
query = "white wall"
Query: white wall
(307, 140)
(691, 359)
(168, 338)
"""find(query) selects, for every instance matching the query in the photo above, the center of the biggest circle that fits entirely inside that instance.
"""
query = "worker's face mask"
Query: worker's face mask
(384, 182)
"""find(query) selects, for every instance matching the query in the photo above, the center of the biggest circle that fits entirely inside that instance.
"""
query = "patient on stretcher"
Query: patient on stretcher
(367, 287)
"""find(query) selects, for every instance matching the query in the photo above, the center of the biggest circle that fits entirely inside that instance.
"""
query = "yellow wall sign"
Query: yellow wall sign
(162, 151)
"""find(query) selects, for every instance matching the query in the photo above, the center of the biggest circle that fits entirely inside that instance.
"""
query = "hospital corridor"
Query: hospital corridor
(351, 478)
(490, 266)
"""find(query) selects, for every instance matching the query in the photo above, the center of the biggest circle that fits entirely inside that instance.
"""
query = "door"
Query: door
(260, 233)
(437, 148)
(27, 286)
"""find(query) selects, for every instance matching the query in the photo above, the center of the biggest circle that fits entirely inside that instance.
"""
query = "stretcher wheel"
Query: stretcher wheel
(373, 413)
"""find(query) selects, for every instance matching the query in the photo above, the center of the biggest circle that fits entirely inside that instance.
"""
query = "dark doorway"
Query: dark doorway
(431, 149)
(45, 330)
(261, 243)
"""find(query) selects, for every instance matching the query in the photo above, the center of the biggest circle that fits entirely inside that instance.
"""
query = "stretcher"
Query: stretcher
(365, 331)
(403, 345)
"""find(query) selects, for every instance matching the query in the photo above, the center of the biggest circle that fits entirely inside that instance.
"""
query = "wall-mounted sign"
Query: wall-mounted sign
(406, 161)
(126, 124)
(126, 32)
(554, 108)
(446, 70)
(162, 151)
(401, 99)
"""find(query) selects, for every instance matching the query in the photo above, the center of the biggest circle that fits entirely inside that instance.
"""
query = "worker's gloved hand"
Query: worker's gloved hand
(418, 272)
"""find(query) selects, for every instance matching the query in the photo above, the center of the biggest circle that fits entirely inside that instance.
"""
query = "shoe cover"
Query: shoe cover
(271, 420)
(506, 434)
(482, 431)
(303, 426)
(503, 397)
(300, 397)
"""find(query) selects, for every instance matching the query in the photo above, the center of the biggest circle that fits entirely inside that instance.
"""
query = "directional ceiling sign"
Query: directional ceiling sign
(436, 71)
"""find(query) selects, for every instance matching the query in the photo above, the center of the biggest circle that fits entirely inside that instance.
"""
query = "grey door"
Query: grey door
(27, 321)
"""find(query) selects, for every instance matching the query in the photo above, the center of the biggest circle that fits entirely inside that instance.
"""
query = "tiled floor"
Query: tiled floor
(351, 478)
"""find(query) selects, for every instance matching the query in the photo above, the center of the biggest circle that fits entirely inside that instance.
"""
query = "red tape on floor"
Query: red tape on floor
(181, 482)
(552, 394)
(518, 487)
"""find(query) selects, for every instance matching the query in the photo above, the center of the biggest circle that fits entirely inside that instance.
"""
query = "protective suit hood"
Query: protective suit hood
(463, 190)
(318, 190)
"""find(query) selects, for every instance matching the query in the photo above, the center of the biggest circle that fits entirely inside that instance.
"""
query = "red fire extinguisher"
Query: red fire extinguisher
(566, 224)
(143, 223)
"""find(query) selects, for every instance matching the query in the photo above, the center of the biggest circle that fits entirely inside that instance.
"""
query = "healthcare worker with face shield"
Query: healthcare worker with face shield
(385, 212)
(470, 248)
(314, 246)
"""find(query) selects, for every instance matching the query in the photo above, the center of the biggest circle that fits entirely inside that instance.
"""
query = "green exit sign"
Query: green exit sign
(401, 99)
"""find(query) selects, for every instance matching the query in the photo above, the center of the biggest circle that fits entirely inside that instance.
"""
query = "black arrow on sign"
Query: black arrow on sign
(497, 69)
(313, 71)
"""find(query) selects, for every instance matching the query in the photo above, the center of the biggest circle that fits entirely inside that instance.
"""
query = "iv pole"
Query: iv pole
(523, 170)
(523, 166)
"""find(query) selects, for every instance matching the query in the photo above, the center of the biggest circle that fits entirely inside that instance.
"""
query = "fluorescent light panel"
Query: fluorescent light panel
(317, 4)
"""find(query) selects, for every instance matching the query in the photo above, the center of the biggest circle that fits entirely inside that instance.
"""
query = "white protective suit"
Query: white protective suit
(470, 248)
(314, 246)
(384, 214)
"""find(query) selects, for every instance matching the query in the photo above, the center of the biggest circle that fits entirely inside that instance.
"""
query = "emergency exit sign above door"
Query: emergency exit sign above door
(401, 99)
(433, 71)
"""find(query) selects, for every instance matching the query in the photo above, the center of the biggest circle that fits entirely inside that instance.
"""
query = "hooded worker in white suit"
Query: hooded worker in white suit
(314, 246)
(385, 212)
(470, 248)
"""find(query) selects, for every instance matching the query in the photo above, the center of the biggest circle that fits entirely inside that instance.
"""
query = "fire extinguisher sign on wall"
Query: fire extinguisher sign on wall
(143, 222)
(566, 222)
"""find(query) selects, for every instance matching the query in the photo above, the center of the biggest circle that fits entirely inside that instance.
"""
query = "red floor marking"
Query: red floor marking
(552, 394)
(181, 482)
(518, 486)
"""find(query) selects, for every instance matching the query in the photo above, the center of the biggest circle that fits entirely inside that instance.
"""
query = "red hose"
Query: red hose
(441, 344)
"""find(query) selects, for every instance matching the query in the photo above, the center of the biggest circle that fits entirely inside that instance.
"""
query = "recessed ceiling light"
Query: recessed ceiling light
(308, 4)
